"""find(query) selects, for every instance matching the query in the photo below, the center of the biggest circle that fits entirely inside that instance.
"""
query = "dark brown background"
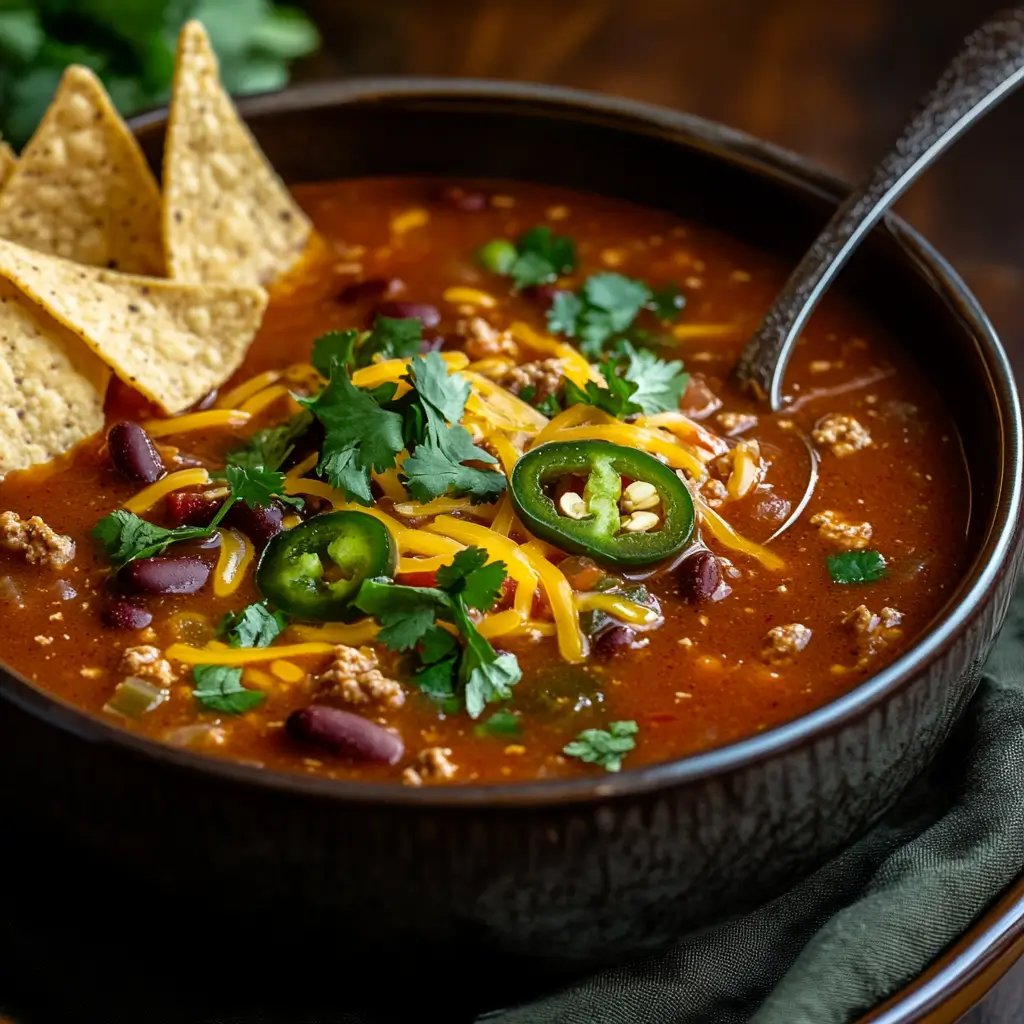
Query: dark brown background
(833, 79)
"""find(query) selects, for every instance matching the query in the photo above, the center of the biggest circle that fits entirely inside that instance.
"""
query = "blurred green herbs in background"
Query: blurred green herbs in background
(130, 44)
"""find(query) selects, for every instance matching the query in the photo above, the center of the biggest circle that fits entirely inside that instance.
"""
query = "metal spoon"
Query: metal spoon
(988, 67)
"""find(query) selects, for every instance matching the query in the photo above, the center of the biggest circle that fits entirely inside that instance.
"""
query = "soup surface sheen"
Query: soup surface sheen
(714, 670)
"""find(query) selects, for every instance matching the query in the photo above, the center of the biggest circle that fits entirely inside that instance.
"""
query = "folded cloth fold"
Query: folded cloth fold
(867, 923)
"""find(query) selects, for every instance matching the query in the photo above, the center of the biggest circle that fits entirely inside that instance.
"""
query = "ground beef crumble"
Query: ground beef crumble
(354, 676)
(843, 434)
(38, 542)
(433, 765)
(484, 341)
(781, 643)
(544, 376)
(146, 662)
(872, 632)
(848, 536)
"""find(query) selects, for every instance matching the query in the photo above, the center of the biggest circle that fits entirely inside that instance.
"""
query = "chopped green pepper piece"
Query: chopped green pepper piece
(315, 570)
(598, 529)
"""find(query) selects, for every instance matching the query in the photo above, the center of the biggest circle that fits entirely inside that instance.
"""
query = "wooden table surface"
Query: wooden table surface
(834, 81)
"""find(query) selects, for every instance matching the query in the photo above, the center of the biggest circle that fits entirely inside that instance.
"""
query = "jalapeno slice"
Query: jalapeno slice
(314, 571)
(620, 506)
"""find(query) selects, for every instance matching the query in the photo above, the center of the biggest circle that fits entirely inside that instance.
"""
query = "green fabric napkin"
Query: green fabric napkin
(867, 923)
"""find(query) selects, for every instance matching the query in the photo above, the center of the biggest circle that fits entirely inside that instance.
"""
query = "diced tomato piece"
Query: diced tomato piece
(417, 579)
(508, 594)
(186, 508)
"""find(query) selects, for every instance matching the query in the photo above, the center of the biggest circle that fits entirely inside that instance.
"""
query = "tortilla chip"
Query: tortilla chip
(82, 188)
(228, 218)
(7, 162)
(51, 386)
(172, 342)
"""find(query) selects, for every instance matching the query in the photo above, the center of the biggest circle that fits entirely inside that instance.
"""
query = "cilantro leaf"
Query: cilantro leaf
(436, 645)
(360, 435)
(258, 486)
(477, 583)
(334, 349)
(125, 537)
(435, 465)
(408, 617)
(542, 257)
(220, 688)
(659, 384)
(432, 471)
(617, 399)
(564, 312)
(856, 567)
(605, 747)
(254, 626)
(667, 303)
(445, 392)
(404, 613)
(485, 674)
(502, 723)
(269, 448)
(437, 680)
(391, 338)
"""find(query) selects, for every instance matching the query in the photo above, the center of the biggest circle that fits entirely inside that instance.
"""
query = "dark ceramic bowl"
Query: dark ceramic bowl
(561, 873)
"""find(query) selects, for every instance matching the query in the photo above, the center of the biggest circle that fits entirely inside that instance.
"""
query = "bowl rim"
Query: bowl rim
(729, 145)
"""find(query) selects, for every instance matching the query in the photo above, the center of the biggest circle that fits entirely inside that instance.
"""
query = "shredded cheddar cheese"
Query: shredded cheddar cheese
(577, 368)
(725, 534)
(287, 671)
(211, 419)
(350, 635)
(469, 297)
(236, 552)
(217, 654)
(149, 496)
(618, 607)
(237, 395)
(572, 644)
(262, 399)
(300, 469)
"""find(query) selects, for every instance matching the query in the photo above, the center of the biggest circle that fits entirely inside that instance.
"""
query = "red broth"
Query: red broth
(702, 678)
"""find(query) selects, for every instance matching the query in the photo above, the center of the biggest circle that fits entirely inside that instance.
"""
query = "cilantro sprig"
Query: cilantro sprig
(125, 536)
(637, 382)
(366, 430)
(269, 448)
(538, 257)
(390, 338)
(604, 747)
(856, 567)
(408, 618)
(606, 307)
(219, 688)
(254, 626)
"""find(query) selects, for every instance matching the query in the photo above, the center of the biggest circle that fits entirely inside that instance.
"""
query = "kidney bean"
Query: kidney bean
(466, 201)
(190, 509)
(372, 288)
(259, 524)
(429, 316)
(698, 576)
(612, 641)
(543, 294)
(160, 575)
(133, 453)
(125, 615)
(344, 733)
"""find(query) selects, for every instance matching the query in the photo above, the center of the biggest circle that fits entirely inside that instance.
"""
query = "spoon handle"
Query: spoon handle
(988, 67)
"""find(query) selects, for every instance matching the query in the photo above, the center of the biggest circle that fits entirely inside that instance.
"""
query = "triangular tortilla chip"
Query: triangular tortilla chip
(81, 188)
(7, 162)
(51, 386)
(172, 342)
(227, 216)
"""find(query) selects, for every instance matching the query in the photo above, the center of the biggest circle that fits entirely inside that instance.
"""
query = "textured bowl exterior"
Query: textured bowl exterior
(561, 874)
